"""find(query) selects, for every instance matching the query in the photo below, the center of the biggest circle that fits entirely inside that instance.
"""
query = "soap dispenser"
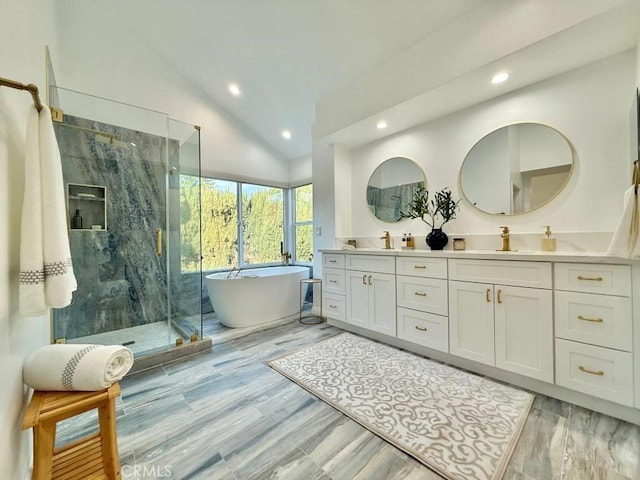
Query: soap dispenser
(548, 244)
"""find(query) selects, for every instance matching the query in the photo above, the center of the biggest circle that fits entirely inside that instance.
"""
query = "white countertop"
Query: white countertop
(573, 257)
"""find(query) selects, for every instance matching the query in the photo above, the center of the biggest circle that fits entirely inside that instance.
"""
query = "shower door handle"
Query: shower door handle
(159, 241)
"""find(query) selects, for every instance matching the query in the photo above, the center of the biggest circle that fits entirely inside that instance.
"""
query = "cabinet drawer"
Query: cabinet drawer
(424, 294)
(333, 260)
(333, 281)
(597, 371)
(422, 267)
(372, 263)
(597, 319)
(590, 278)
(506, 272)
(424, 329)
(333, 306)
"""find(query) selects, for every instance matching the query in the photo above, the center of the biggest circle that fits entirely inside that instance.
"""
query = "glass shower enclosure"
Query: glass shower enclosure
(132, 179)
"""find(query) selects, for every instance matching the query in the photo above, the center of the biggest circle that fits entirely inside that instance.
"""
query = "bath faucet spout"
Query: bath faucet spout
(286, 256)
(387, 240)
(506, 244)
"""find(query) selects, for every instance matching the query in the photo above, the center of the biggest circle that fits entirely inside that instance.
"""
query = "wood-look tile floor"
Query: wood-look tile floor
(225, 414)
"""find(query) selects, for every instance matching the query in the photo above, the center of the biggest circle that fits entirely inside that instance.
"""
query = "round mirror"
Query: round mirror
(516, 169)
(391, 186)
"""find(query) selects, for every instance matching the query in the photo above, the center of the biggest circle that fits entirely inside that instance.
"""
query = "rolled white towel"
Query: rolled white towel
(76, 367)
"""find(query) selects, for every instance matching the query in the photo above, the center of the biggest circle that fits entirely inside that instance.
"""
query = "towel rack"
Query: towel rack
(31, 88)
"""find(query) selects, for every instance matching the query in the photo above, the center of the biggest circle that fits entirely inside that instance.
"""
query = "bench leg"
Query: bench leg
(44, 439)
(110, 457)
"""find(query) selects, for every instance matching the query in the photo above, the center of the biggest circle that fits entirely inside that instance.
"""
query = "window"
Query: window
(219, 224)
(303, 223)
(262, 223)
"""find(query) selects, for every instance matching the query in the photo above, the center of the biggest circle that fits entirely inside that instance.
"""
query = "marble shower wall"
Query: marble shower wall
(122, 282)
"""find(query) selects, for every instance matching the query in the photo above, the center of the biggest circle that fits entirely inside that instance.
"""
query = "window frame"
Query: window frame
(295, 223)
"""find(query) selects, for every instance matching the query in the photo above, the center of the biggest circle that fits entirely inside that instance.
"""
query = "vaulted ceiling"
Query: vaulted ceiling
(355, 59)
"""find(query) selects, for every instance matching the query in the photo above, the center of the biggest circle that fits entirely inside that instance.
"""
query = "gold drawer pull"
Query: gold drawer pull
(488, 295)
(333, 261)
(419, 266)
(422, 329)
(499, 296)
(333, 306)
(420, 294)
(593, 279)
(587, 319)
(586, 370)
(333, 281)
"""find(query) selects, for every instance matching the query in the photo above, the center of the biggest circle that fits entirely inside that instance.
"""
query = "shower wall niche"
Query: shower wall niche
(87, 207)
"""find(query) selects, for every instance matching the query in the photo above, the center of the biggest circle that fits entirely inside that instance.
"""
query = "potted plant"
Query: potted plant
(435, 212)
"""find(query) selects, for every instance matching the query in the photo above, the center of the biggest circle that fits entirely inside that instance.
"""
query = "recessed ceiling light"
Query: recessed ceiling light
(381, 124)
(499, 77)
(133, 144)
(286, 134)
(234, 89)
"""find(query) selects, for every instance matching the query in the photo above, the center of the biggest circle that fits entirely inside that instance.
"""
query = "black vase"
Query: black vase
(437, 239)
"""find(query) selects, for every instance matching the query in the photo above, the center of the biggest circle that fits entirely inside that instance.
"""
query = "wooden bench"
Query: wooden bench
(93, 457)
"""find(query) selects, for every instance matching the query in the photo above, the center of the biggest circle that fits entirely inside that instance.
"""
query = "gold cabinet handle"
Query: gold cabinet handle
(333, 261)
(159, 241)
(422, 329)
(488, 295)
(364, 279)
(333, 281)
(587, 319)
(370, 283)
(591, 279)
(586, 370)
(333, 306)
(419, 266)
(420, 294)
(499, 296)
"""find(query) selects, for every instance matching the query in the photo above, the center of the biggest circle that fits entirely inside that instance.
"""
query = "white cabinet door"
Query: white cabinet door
(471, 321)
(357, 298)
(524, 331)
(382, 303)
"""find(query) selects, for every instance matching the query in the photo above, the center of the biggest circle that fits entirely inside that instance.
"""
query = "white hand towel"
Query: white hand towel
(625, 239)
(46, 272)
(76, 367)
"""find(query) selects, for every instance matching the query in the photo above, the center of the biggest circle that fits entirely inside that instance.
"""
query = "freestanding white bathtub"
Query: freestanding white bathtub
(255, 296)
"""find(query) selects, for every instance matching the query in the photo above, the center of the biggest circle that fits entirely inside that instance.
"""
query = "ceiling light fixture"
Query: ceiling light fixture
(499, 78)
(234, 89)
(381, 124)
(286, 134)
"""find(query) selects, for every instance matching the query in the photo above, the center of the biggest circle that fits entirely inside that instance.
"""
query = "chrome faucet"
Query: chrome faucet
(506, 247)
(387, 240)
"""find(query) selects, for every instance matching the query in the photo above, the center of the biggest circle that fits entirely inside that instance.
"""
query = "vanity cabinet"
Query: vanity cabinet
(509, 326)
(594, 330)
(371, 292)
(422, 298)
(333, 286)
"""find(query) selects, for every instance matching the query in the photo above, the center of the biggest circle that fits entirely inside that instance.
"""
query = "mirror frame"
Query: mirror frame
(560, 190)
(424, 181)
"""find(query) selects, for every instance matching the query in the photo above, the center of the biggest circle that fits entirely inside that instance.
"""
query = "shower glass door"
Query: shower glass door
(117, 161)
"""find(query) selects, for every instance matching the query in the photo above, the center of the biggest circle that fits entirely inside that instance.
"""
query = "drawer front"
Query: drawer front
(590, 278)
(518, 274)
(333, 306)
(371, 263)
(424, 294)
(596, 319)
(424, 329)
(333, 260)
(597, 371)
(333, 281)
(422, 267)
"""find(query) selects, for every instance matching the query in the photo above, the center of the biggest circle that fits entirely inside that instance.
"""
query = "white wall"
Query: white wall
(104, 58)
(25, 28)
(301, 171)
(589, 106)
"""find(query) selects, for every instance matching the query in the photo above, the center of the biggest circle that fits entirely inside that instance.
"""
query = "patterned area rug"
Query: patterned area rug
(460, 425)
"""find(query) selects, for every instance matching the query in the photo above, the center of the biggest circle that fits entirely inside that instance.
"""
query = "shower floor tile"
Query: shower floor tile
(147, 338)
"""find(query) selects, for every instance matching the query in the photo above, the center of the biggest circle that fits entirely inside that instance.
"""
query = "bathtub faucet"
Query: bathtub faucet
(286, 256)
